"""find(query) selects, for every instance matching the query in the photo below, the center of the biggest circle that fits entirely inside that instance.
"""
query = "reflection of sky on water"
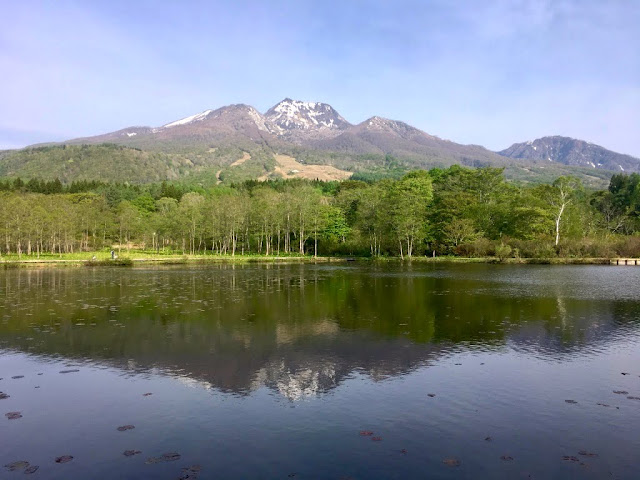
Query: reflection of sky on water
(301, 330)
(260, 372)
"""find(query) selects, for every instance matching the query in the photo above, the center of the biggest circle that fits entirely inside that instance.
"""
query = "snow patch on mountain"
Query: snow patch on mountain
(258, 119)
(193, 118)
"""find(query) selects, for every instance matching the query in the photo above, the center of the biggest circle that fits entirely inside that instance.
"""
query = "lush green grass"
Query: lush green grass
(512, 261)
(133, 257)
(118, 262)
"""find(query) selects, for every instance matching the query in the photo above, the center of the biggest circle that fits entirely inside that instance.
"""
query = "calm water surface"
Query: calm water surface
(273, 371)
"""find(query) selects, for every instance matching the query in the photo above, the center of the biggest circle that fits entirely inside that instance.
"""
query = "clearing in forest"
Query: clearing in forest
(240, 161)
(289, 167)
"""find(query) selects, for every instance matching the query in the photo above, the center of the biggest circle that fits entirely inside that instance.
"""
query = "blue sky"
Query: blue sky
(484, 72)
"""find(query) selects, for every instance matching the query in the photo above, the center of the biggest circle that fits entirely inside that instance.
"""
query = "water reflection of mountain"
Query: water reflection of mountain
(297, 329)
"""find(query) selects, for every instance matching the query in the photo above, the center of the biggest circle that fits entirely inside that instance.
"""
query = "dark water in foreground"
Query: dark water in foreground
(273, 371)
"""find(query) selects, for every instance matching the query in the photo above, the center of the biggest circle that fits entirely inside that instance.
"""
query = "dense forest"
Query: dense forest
(455, 211)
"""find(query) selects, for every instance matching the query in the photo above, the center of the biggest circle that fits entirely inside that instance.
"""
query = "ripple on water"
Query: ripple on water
(302, 359)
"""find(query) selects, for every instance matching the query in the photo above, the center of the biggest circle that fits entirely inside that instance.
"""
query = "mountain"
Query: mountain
(295, 139)
(569, 151)
(233, 124)
(300, 121)
(382, 136)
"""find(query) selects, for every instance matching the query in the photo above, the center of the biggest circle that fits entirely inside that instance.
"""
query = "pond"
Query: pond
(350, 370)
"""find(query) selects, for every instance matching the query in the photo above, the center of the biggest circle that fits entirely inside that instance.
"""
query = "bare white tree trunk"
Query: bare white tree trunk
(558, 218)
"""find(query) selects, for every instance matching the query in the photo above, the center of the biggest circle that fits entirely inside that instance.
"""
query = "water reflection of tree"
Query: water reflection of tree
(297, 329)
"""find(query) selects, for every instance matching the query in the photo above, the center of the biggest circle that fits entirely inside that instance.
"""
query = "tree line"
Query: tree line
(454, 211)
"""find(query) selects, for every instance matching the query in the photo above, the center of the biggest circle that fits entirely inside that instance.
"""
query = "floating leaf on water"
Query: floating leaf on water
(170, 457)
(64, 459)
(366, 433)
(124, 428)
(70, 371)
(571, 401)
(146, 394)
(506, 458)
(165, 457)
(19, 465)
(451, 462)
(31, 469)
(621, 392)
(624, 373)
(15, 377)
(584, 453)
(3, 396)
(194, 469)
(604, 404)
(488, 439)
(570, 458)
(431, 395)
(131, 453)
(633, 398)
(13, 415)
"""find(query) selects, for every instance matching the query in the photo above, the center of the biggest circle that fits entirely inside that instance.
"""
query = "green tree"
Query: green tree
(560, 195)
(190, 210)
(128, 221)
(411, 197)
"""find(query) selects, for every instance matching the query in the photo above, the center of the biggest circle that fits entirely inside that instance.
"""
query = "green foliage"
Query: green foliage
(118, 262)
(459, 211)
(503, 251)
(104, 162)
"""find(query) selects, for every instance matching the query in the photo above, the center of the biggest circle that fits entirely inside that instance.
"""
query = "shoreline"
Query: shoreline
(137, 261)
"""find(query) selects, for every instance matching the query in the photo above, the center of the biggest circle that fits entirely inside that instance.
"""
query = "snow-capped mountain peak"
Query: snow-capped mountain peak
(296, 115)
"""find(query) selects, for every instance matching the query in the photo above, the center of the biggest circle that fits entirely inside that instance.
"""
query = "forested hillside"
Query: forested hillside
(231, 164)
(459, 211)
(115, 163)
(70, 162)
(210, 147)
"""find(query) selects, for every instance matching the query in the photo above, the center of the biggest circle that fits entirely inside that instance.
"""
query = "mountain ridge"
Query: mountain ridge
(314, 133)
(572, 152)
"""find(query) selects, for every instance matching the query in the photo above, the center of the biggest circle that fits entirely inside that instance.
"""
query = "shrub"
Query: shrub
(503, 251)
(629, 247)
(119, 262)
(480, 247)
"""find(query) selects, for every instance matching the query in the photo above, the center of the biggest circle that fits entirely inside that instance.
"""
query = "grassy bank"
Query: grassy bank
(140, 258)
(514, 261)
